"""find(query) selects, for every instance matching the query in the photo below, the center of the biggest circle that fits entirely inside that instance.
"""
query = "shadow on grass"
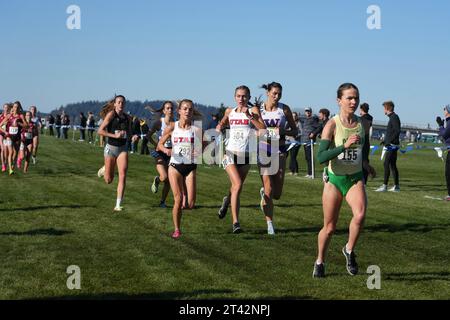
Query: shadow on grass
(418, 276)
(415, 187)
(170, 295)
(256, 206)
(409, 227)
(193, 295)
(36, 208)
(37, 232)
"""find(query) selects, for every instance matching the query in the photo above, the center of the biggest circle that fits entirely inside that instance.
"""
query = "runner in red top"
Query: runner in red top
(14, 122)
(28, 134)
(3, 149)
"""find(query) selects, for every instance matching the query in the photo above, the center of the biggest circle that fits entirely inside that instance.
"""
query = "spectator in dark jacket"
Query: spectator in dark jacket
(324, 116)
(144, 131)
(392, 144)
(366, 120)
(214, 122)
(293, 153)
(51, 124)
(58, 123)
(65, 126)
(309, 125)
(83, 125)
(445, 133)
(91, 126)
(136, 130)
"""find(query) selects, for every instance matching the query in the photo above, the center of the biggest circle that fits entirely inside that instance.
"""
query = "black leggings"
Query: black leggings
(447, 172)
(91, 135)
(144, 146)
(293, 163)
(308, 158)
(390, 163)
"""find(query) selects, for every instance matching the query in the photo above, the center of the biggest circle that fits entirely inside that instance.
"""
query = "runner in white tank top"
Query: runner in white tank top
(35, 119)
(182, 141)
(162, 160)
(240, 129)
(186, 146)
(279, 122)
(236, 161)
(168, 143)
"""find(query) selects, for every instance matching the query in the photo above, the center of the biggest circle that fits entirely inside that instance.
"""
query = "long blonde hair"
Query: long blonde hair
(109, 106)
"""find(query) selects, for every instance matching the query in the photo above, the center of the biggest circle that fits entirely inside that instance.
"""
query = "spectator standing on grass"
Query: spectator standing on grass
(91, 126)
(101, 139)
(58, 123)
(83, 125)
(214, 122)
(444, 131)
(310, 124)
(293, 153)
(136, 134)
(367, 121)
(65, 126)
(144, 131)
(392, 144)
(324, 115)
(51, 124)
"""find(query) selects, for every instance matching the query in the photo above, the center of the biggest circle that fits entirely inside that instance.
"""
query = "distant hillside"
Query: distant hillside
(133, 107)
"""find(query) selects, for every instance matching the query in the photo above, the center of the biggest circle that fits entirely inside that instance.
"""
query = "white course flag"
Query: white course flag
(439, 153)
(383, 153)
(293, 144)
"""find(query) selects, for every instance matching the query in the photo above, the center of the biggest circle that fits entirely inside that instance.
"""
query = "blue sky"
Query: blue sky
(202, 50)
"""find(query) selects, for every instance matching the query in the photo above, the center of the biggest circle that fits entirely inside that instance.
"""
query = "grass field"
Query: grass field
(60, 214)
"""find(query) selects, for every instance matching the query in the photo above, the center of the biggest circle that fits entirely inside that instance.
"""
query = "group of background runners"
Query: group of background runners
(19, 137)
(343, 149)
(180, 144)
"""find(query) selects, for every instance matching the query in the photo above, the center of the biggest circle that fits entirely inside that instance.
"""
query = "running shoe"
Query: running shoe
(237, 228)
(101, 172)
(162, 204)
(261, 203)
(383, 188)
(447, 198)
(176, 234)
(319, 270)
(270, 229)
(395, 189)
(224, 208)
(155, 184)
(118, 208)
(11, 172)
(3, 168)
(352, 266)
(19, 163)
(34, 159)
